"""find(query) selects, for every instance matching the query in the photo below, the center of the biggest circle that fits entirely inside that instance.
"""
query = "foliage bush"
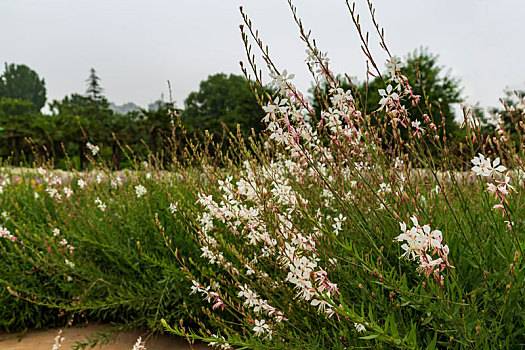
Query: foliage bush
(88, 249)
(324, 236)
(314, 236)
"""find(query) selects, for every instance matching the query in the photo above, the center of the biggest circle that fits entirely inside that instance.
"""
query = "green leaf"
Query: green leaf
(371, 336)
(432, 344)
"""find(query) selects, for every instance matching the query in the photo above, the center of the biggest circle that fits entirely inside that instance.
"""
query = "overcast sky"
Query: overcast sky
(137, 45)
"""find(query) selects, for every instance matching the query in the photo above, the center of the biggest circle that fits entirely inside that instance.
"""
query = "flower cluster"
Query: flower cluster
(425, 246)
(140, 191)
(483, 166)
(101, 205)
(210, 294)
(501, 186)
(4, 233)
(259, 305)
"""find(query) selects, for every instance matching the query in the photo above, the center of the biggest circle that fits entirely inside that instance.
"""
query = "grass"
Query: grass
(121, 271)
(359, 229)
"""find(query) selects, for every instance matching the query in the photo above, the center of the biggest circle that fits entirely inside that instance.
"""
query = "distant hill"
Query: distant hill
(125, 108)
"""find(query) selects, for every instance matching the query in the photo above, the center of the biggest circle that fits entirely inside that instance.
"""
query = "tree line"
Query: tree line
(222, 100)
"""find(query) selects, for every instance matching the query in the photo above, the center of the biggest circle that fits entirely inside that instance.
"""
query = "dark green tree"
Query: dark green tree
(20, 82)
(15, 119)
(223, 99)
(94, 90)
(156, 124)
(83, 121)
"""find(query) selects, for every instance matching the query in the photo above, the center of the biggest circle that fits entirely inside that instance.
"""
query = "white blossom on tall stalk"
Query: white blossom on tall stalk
(388, 96)
(298, 257)
(68, 192)
(81, 183)
(210, 293)
(116, 182)
(93, 148)
(360, 328)
(393, 67)
(262, 328)
(425, 246)
(173, 207)
(100, 204)
(53, 193)
(219, 345)
(4, 233)
(483, 167)
(501, 187)
(416, 124)
(140, 191)
(259, 305)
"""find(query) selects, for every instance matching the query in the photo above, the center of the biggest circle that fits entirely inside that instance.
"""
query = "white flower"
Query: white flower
(100, 204)
(69, 263)
(99, 179)
(53, 193)
(81, 183)
(260, 327)
(56, 232)
(392, 66)
(148, 176)
(94, 149)
(483, 167)
(4, 233)
(420, 242)
(173, 207)
(68, 192)
(417, 124)
(387, 96)
(140, 190)
(359, 327)
(139, 345)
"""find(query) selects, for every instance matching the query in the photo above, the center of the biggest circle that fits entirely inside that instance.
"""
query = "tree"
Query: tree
(15, 118)
(22, 83)
(156, 124)
(223, 99)
(76, 112)
(94, 90)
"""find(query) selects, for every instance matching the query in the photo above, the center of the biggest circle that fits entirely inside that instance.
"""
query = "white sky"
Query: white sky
(137, 45)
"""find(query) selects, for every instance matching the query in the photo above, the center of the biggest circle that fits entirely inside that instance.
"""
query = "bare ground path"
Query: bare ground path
(44, 340)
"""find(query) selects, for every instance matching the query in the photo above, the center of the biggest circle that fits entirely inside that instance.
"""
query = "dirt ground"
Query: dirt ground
(44, 340)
